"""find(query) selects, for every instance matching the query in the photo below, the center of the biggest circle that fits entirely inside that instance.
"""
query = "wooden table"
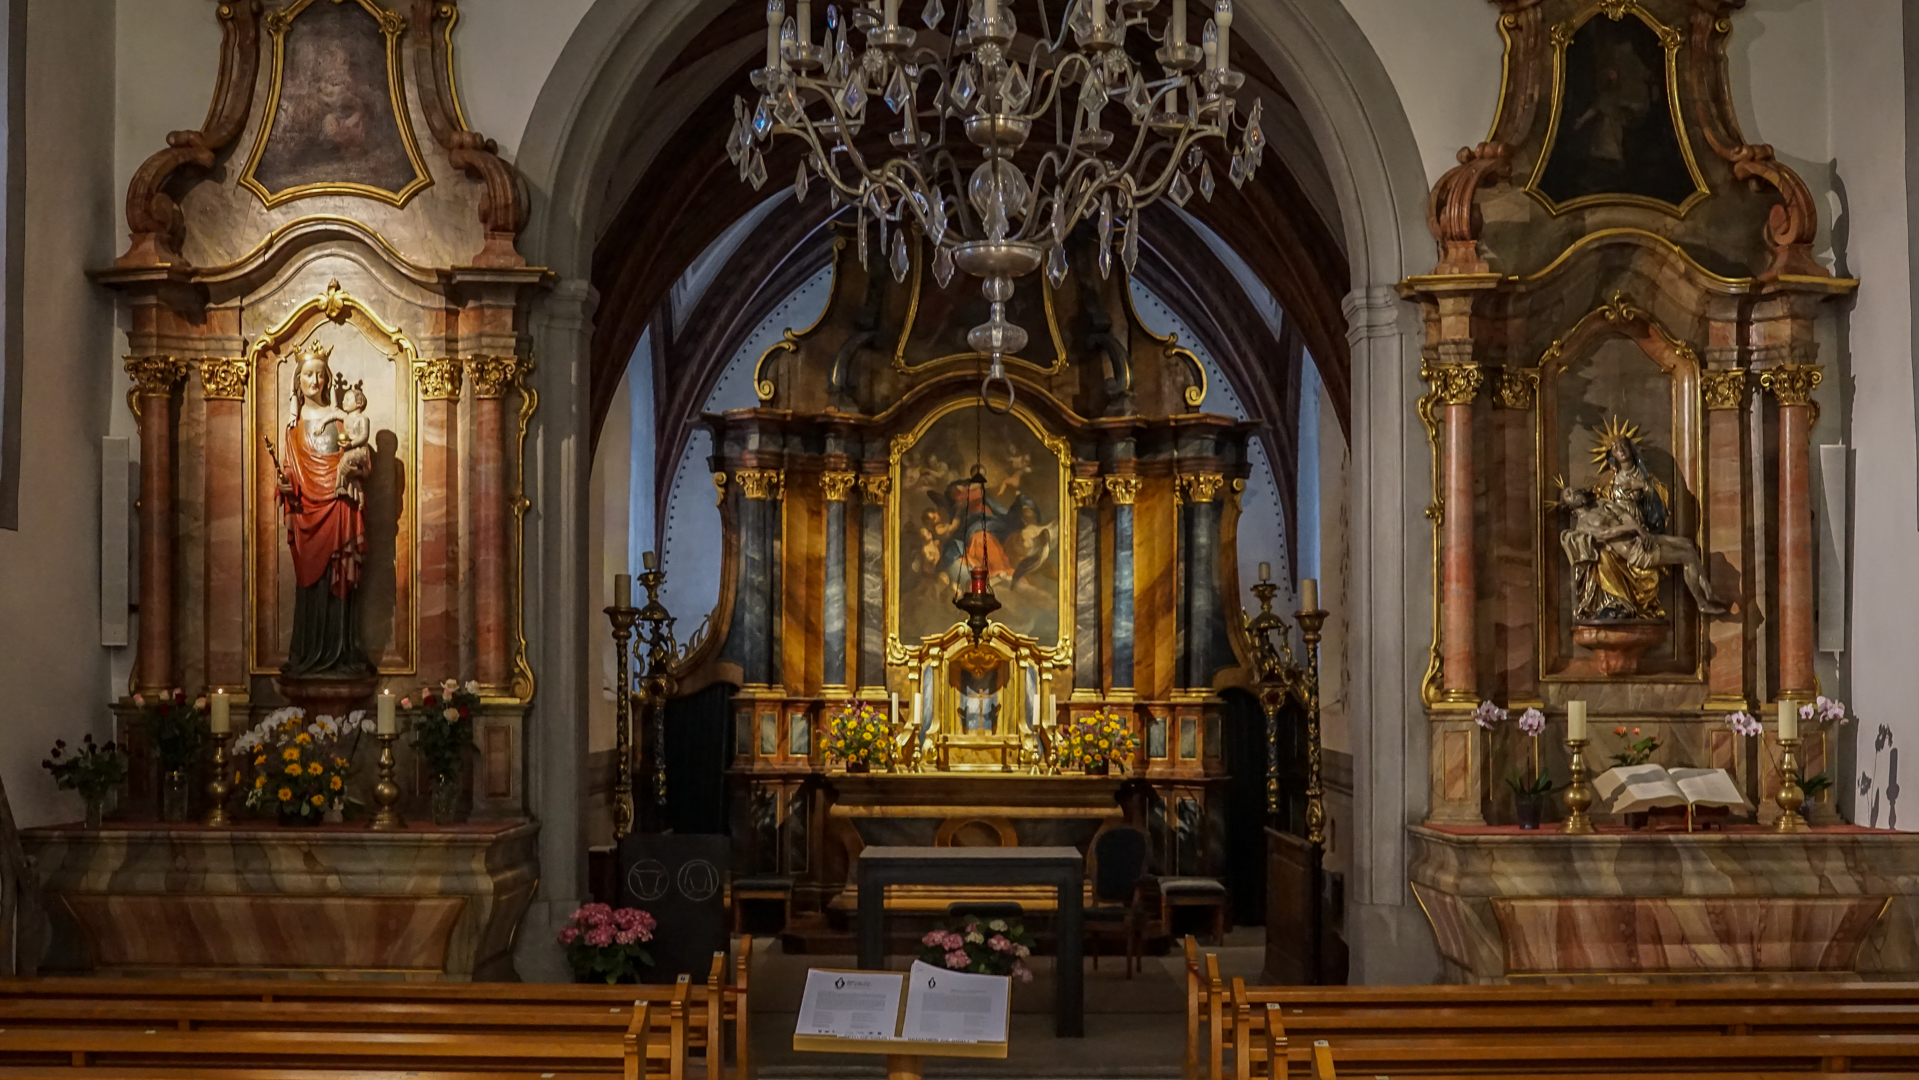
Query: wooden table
(1062, 867)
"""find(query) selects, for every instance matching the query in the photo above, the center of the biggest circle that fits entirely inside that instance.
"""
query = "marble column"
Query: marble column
(1086, 628)
(1514, 393)
(1454, 388)
(151, 399)
(492, 377)
(837, 486)
(758, 596)
(1205, 629)
(873, 491)
(223, 383)
(1724, 392)
(1124, 490)
(1792, 385)
(439, 383)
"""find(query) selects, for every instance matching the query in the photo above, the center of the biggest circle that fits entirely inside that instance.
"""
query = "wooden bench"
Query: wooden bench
(1678, 1055)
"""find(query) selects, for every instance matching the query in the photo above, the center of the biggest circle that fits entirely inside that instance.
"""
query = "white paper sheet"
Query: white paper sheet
(851, 1005)
(952, 1006)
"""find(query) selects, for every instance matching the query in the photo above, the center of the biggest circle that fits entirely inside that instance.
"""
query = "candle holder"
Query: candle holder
(1310, 625)
(1791, 796)
(622, 617)
(218, 789)
(1579, 794)
(386, 793)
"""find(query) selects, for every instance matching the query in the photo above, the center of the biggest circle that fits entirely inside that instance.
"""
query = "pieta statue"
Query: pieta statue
(1617, 542)
(323, 476)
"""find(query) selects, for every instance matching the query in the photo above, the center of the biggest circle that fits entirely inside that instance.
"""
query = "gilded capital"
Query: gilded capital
(492, 376)
(1202, 487)
(154, 376)
(1792, 384)
(1123, 489)
(1453, 384)
(223, 378)
(765, 484)
(439, 380)
(875, 489)
(1515, 388)
(837, 484)
(1085, 490)
(1723, 389)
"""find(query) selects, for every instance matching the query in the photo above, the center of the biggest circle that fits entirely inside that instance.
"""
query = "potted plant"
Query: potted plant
(177, 729)
(94, 771)
(857, 735)
(300, 768)
(1530, 788)
(440, 729)
(1096, 742)
(603, 943)
(982, 947)
(1822, 711)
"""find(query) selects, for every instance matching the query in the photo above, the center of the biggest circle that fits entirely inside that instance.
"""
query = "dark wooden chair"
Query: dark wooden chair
(1119, 871)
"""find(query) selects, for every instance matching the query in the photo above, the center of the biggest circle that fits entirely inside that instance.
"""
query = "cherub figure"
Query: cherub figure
(934, 529)
(356, 450)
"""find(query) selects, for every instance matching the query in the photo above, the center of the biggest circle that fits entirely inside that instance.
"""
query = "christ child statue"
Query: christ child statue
(356, 451)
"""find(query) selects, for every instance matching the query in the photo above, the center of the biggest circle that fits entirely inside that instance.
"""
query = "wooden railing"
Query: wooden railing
(234, 1027)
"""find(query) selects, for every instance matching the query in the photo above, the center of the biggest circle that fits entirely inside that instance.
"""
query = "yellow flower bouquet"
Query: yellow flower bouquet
(859, 736)
(1097, 742)
(299, 767)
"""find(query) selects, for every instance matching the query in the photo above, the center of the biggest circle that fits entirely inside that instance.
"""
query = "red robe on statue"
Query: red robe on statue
(326, 532)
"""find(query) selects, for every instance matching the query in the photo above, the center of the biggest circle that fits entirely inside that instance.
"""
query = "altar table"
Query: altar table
(1062, 867)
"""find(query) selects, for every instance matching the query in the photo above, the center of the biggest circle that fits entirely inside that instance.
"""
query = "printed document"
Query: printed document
(952, 1006)
(851, 1004)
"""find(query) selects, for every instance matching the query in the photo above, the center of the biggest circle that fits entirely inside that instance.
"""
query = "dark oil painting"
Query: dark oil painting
(1616, 134)
(950, 524)
(335, 123)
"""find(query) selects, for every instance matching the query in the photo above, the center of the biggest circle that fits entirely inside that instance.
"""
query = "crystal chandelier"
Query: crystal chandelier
(956, 164)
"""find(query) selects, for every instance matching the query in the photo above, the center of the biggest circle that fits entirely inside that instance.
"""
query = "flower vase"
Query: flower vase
(96, 810)
(174, 795)
(1098, 768)
(446, 800)
(859, 766)
(1529, 807)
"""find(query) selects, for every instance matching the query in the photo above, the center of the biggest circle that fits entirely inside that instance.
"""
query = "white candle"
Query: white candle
(1265, 571)
(892, 14)
(220, 720)
(1224, 17)
(918, 717)
(1788, 720)
(622, 590)
(775, 14)
(806, 22)
(992, 11)
(1209, 43)
(1176, 30)
(1099, 14)
(1576, 721)
(650, 560)
(1309, 594)
(388, 725)
(1052, 710)
(895, 709)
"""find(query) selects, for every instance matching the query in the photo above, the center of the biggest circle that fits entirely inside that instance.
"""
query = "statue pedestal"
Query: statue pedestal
(1617, 646)
(323, 696)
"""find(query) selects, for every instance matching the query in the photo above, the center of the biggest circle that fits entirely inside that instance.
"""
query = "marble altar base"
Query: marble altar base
(429, 904)
(1512, 906)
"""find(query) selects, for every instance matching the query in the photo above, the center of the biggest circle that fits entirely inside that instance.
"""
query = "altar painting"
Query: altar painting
(948, 523)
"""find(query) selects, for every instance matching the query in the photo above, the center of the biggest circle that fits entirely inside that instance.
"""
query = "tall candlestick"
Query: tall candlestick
(219, 719)
(1788, 720)
(775, 14)
(622, 590)
(1224, 17)
(1309, 594)
(1576, 721)
(1579, 794)
(388, 723)
(386, 793)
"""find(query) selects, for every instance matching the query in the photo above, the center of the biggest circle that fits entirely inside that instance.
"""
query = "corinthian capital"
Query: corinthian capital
(1453, 384)
(1792, 384)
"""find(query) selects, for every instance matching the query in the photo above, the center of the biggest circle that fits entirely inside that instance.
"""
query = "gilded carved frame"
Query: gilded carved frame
(267, 352)
(899, 653)
(392, 25)
(1671, 40)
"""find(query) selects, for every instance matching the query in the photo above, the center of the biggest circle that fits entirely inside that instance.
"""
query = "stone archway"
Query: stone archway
(590, 125)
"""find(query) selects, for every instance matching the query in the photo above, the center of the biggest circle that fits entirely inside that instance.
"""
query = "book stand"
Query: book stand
(905, 1058)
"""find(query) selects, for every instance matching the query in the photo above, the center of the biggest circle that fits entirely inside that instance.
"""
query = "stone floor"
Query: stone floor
(1135, 1028)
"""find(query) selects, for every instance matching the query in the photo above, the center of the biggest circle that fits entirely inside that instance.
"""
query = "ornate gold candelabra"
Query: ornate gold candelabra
(622, 617)
(1791, 796)
(386, 793)
(219, 788)
(1579, 794)
(1310, 624)
(1272, 672)
(656, 685)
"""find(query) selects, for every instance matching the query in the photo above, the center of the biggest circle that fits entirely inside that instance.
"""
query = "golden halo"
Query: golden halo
(1615, 432)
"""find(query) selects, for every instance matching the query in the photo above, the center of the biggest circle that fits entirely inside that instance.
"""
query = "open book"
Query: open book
(1629, 789)
(926, 1005)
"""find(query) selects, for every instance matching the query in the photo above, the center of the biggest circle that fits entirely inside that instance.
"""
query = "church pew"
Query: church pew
(1639, 1056)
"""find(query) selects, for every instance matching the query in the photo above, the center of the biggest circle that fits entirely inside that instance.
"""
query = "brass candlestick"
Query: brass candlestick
(1310, 624)
(622, 617)
(1791, 796)
(386, 793)
(656, 681)
(1579, 794)
(218, 788)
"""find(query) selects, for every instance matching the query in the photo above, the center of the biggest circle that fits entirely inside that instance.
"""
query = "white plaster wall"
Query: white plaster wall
(1444, 59)
(51, 664)
(503, 52)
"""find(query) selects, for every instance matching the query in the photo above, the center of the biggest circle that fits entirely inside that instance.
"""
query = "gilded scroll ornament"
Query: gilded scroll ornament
(1723, 389)
(1793, 384)
(763, 484)
(1085, 491)
(1453, 384)
(719, 485)
(1202, 487)
(837, 484)
(875, 489)
(1123, 489)
(492, 376)
(439, 380)
(1515, 388)
(223, 378)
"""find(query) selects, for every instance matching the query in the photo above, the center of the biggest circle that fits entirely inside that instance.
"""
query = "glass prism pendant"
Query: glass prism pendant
(799, 184)
(902, 260)
(943, 267)
(1180, 190)
(1056, 266)
(756, 171)
(1129, 251)
(1206, 180)
(932, 13)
